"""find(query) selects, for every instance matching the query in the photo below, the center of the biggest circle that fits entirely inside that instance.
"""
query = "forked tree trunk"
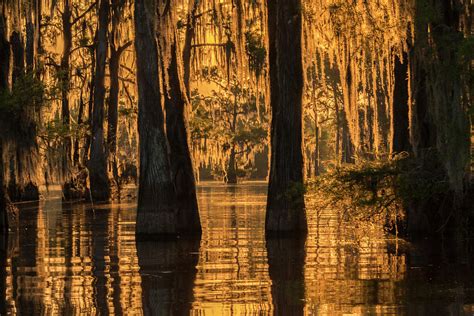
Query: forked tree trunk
(285, 203)
(156, 212)
(99, 180)
(182, 169)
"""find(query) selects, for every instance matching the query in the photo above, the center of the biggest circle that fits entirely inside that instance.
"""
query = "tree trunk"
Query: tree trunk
(347, 145)
(156, 211)
(98, 176)
(187, 49)
(65, 86)
(112, 116)
(439, 129)
(4, 71)
(90, 106)
(231, 172)
(4, 52)
(399, 132)
(285, 203)
(3, 196)
(182, 169)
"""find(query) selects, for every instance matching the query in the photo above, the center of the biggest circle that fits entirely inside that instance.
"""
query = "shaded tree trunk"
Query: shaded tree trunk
(439, 129)
(231, 172)
(399, 132)
(347, 145)
(3, 197)
(182, 169)
(98, 176)
(156, 211)
(64, 75)
(4, 71)
(285, 203)
(4, 52)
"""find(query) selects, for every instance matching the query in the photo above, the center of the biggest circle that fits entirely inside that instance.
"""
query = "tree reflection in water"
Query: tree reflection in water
(286, 266)
(168, 271)
(70, 259)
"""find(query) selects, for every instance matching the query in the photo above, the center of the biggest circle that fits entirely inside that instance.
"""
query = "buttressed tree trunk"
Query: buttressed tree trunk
(285, 203)
(180, 156)
(156, 212)
(99, 180)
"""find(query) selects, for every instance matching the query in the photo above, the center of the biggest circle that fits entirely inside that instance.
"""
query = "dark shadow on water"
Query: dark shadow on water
(286, 258)
(168, 271)
(439, 280)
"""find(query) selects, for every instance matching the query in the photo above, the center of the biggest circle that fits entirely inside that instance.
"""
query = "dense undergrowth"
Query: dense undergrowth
(382, 189)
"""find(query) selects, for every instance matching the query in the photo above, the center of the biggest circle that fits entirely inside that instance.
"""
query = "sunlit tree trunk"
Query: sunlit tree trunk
(285, 203)
(182, 170)
(99, 180)
(156, 212)
(188, 41)
(116, 52)
(90, 104)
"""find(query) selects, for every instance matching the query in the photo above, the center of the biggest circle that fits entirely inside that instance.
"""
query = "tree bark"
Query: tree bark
(64, 76)
(112, 115)
(187, 49)
(182, 168)
(99, 180)
(156, 211)
(285, 203)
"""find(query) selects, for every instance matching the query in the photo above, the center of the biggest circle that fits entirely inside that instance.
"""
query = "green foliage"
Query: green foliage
(28, 92)
(371, 189)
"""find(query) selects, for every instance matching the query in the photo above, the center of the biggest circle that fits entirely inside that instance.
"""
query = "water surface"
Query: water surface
(75, 259)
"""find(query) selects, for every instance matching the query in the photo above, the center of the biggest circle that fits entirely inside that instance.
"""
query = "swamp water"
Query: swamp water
(70, 259)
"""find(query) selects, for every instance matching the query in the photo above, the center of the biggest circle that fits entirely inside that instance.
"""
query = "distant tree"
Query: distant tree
(227, 123)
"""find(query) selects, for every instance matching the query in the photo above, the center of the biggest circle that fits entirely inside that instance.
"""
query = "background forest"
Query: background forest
(380, 91)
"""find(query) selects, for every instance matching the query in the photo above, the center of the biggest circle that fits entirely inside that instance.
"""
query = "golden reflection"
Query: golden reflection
(71, 260)
(68, 259)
